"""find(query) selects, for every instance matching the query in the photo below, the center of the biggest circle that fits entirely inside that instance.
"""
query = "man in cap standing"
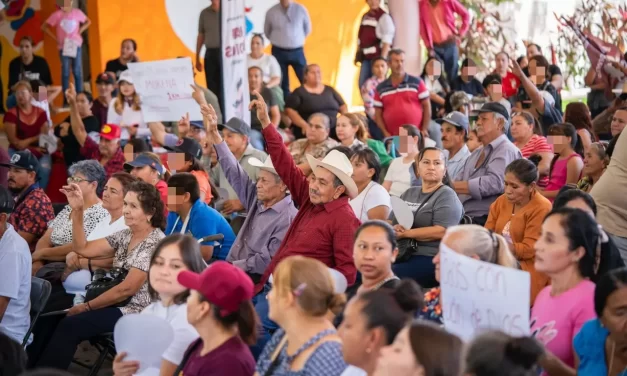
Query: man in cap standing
(105, 84)
(481, 180)
(325, 224)
(33, 209)
(270, 209)
(107, 151)
(454, 136)
(15, 274)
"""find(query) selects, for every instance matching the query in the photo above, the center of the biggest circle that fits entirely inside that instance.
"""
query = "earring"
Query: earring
(147, 219)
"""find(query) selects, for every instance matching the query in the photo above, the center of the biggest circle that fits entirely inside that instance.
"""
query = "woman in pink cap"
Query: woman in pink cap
(219, 307)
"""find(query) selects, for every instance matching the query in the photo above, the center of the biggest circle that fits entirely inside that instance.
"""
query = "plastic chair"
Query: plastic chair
(394, 145)
(39, 293)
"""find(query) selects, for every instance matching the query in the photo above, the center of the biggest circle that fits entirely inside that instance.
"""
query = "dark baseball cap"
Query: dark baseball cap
(456, 119)
(236, 125)
(104, 78)
(143, 160)
(492, 79)
(188, 146)
(6, 201)
(495, 107)
(197, 124)
(24, 160)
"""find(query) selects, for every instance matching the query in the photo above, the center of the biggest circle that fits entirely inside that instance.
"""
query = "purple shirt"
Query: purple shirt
(264, 228)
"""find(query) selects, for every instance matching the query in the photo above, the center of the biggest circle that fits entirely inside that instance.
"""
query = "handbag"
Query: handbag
(407, 247)
(102, 283)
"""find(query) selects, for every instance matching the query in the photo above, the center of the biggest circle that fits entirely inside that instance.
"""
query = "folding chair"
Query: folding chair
(39, 293)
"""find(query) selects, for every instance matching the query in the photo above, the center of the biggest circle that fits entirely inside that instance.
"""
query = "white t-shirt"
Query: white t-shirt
(372, 196)
(129, 117)
(184, 333)
(268, 64)
(398, 174)
(105, 228)
(15, 281)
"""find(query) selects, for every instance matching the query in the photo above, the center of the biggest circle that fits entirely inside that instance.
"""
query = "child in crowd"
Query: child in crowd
(473, 141)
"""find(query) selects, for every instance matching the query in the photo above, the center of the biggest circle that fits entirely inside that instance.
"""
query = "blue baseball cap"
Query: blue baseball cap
(197, 124)
(143, 160)
(456, 119)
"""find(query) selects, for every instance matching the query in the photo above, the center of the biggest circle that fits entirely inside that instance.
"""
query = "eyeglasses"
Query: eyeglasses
(76, 180)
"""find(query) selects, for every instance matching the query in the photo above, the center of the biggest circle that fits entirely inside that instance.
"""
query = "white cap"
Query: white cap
(126, 76)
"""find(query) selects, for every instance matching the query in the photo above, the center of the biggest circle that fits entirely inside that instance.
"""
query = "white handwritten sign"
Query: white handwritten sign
(478, 295)
(164, 89)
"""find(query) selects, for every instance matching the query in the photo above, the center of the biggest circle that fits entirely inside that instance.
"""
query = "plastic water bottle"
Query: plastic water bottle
(78, 299)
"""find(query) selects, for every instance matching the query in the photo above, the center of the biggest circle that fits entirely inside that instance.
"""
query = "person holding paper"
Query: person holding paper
(473, 241)
(172, 256)
(125, 110)
(518, 216)
(566, 252)
(70, 23)
(435, 208)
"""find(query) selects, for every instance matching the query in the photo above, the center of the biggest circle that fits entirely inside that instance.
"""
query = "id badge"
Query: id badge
(70, 48)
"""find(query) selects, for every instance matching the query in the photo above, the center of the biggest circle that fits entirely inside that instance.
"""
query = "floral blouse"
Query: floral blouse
(432, 310)
(300, 148)
(138, 257)
(62, 225)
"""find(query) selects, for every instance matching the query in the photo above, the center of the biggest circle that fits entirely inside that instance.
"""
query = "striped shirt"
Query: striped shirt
(537, 144)
(401, 104)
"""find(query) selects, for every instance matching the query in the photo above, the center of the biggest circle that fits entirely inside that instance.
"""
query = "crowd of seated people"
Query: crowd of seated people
(237, 235)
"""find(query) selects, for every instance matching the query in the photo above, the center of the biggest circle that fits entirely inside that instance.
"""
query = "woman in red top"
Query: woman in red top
(148, 168)
(24, 124)
(528, 137)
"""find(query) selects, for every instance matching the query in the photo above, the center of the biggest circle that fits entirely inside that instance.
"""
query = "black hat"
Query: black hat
(188, 146)
(105, 78)
(495, 107)
(24, 160)
(6, 201)
(236, 125)
(492, 79)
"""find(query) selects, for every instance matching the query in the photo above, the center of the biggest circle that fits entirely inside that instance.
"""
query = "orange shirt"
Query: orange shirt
(203, 183)
(524, 229)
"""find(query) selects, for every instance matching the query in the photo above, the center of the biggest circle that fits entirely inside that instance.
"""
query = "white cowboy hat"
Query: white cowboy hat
(340, 166)
(267, 165)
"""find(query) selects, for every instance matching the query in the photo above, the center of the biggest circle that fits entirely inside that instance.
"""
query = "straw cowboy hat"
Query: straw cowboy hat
(267, 165)
(340, 166)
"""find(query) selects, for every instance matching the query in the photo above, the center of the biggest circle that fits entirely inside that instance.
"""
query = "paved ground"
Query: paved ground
(88, 355)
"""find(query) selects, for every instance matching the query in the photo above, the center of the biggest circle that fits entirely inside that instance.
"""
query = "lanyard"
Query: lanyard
(185, 222)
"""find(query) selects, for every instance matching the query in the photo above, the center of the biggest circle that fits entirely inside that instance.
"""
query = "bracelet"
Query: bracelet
(88, 306)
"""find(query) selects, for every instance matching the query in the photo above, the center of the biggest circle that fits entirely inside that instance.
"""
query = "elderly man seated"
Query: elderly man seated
(317, 144)
(270, 208)
(325, 224)
(481, 180)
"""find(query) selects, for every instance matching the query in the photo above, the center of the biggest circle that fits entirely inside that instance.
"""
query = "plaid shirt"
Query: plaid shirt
(323, 232)
(90, 150)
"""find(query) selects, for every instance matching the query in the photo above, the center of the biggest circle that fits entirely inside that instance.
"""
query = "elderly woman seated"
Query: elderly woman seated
(57, 241)
(317, 143)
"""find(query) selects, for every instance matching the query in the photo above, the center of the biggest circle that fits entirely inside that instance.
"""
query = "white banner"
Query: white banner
(478, 295)
(164, 89)
(234, 65)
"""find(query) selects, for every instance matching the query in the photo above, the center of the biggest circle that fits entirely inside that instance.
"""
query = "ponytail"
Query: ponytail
(504, 256)
(245, 318)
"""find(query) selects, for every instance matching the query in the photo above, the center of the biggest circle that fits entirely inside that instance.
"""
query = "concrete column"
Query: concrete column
(405, 14)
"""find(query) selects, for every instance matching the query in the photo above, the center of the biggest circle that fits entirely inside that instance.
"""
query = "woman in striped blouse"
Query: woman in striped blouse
(527, 135)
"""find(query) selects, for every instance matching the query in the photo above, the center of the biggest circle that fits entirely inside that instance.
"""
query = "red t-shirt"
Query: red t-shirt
(162, 187)
(232, 358)
(511, 83)
(27, 126)
(537, 144)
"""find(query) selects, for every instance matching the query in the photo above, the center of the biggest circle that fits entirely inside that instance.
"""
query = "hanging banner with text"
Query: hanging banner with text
(234, 66)
(478, 295)
(164, 89)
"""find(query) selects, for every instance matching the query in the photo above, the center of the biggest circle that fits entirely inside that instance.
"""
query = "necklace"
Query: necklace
(609, 369)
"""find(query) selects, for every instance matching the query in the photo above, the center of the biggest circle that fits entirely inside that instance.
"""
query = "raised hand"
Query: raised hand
(211, 124)
(516, 69)
(184, 120)
(262, 109)
(74, 196)
(70, 94)
(198, 95)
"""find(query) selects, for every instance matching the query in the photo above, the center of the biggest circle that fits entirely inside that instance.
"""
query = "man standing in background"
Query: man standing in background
(287, 26)
(209, 36)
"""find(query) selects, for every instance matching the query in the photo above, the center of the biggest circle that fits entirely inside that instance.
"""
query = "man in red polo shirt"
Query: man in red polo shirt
(509, 81)
(401, 99)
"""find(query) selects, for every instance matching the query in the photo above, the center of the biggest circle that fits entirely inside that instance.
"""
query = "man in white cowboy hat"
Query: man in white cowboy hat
(325, 224)
(270, 208)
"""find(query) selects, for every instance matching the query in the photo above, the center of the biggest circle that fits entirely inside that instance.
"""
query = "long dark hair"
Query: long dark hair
(606, 285)
(441, 78)
(371, 159)
(567, 130)
(578, 114)
(190, 255)
(245, 318)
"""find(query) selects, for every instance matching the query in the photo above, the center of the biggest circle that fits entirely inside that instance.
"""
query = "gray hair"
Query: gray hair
(93, 171)
(485, 244)
(325, 119)
(498, 116)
